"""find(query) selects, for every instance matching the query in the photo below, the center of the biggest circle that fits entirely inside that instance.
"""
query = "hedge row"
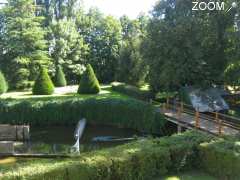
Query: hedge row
(131, 91)
(144, 159)
(221, 158)
(127, 113)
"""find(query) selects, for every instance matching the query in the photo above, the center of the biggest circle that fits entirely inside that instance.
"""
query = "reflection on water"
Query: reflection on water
(60, 139)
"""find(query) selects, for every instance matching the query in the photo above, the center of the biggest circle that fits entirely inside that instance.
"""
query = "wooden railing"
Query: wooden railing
(219, 119)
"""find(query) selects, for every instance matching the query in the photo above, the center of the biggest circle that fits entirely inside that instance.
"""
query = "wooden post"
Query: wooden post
(220, 127)
(219, 123)
(167, 106)
(216, 116)
(179, 129)
(182, 107)
(164, 107)
(179, 112)
(197, 119)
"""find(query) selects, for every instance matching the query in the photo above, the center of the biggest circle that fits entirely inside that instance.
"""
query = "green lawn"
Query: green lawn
(68, 92)
(189, 176)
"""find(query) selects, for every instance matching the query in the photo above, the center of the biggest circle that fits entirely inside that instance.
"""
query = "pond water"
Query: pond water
(57, 139)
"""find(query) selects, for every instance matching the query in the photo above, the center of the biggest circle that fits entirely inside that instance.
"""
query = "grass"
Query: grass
(189, 176)
(106, 92)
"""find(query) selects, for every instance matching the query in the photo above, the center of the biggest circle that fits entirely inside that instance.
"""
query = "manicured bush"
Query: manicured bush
(43, 85)
(128, 113)
(131, 91)
(221, 158)
(143, 159)
(89, 83)
(3, 84)
(60, 80)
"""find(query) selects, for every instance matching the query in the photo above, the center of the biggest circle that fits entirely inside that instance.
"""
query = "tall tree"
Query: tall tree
(25, 46)
(68, 49)
(185, 47)
(132, 68)
(103, 34)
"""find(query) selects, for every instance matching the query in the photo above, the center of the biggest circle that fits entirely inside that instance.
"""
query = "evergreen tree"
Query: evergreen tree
(89, 83)
(43, 85)
(60, 80)
(25, 46)
(3, 84)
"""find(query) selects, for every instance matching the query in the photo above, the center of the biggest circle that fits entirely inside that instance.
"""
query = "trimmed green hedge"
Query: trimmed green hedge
(43, 84)
(131, 91)
(144, 159)
(60, 80)
(221, 158)
(128, 113)
(89, 83)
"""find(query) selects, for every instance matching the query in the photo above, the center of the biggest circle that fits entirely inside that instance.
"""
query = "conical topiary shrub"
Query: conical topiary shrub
(43, 85)
(89, 83)
(3, 84)
(60, 80)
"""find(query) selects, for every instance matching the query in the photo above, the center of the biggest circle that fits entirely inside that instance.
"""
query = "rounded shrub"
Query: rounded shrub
(60, 80)
(3, 84)
(43, 85)
(89, 83)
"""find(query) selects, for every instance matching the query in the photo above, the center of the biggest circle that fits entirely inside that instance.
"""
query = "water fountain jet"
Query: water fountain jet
(78, 134)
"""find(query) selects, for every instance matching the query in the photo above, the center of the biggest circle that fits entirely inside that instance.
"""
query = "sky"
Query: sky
(117, 8)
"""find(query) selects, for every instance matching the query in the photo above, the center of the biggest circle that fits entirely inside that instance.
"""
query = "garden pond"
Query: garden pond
(59, 139)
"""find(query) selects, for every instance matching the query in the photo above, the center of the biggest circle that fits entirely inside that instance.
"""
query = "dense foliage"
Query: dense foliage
(24, 44)
(60, 80)
(103, 35)
(74, 39)
(89, 83)
(143, 159)
(68, 49)
(173, 47)
(131, 68)
(185, 47)
(128, 113)
(3, 84)
(43, 84)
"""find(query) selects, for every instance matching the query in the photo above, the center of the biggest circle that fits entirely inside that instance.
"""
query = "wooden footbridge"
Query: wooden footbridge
(185, 116)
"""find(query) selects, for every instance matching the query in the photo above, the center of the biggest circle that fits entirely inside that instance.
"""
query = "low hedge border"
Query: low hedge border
(143, 159)
(126, 113)
(221, 158)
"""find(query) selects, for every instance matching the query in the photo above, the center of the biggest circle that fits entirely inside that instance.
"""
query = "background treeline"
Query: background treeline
(172, 47)
(56, 32)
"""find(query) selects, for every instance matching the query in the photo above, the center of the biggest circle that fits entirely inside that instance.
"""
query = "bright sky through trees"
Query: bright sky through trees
(132, 8)
(120, 7)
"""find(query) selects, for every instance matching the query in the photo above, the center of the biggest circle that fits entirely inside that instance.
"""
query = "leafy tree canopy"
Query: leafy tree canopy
(185, 47)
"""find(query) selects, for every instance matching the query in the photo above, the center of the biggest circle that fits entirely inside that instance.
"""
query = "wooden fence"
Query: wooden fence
(219, 119)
